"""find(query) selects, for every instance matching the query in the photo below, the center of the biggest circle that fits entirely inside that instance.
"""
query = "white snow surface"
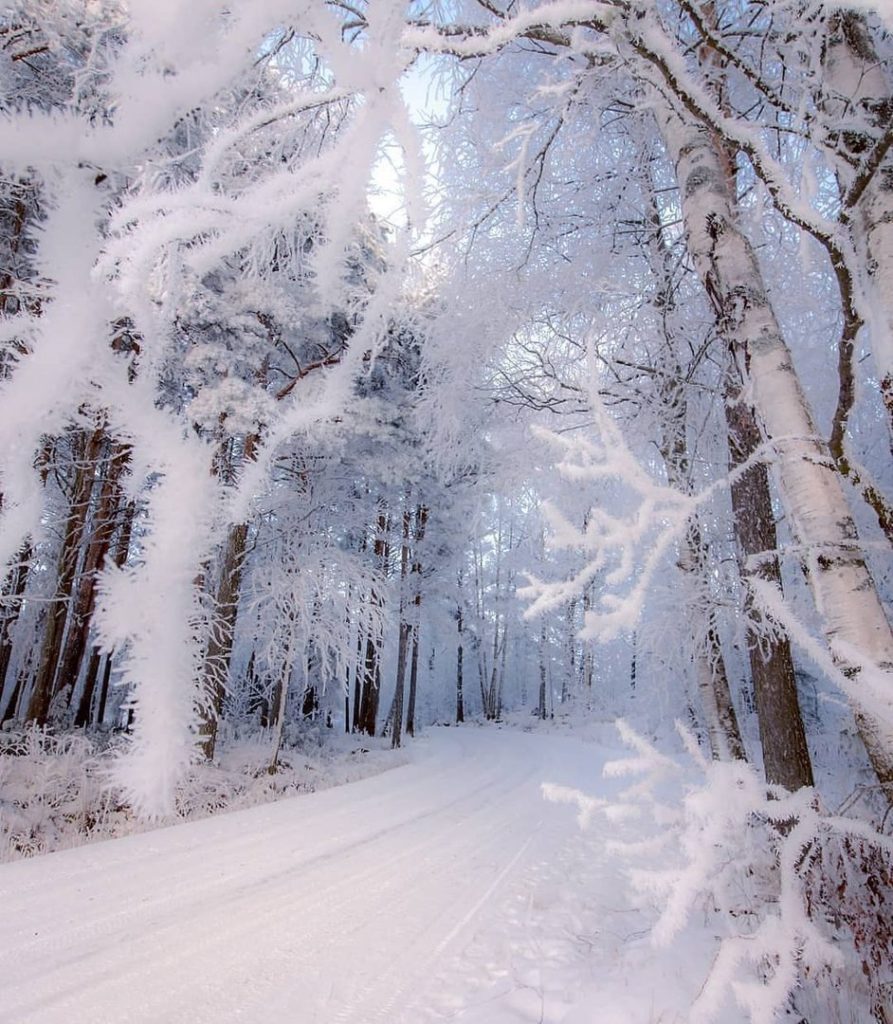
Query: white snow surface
(446, 889)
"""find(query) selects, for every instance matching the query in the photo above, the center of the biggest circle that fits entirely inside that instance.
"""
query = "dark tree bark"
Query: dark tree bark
(13, 591)
(223, 630)
(460, 657)
(588, 666)
(371, 691)
(416, 577)
(569, 679)
(782, 736)
(122, 551)
(85, 704)
(403, 641)
(104, 689)
(413, 681)
(220, 643)
(279, 703)
(84, 594)
(541, 707)
(43, 688)
(357, 681)
(347, 673)
(371, 688)
(310, 702)
(460, 654)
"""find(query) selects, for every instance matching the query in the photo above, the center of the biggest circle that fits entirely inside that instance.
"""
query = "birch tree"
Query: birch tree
(691, 121)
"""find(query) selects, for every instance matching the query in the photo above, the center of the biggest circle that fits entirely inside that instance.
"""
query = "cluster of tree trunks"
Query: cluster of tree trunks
(68, 678)
(853, 618)
(65, 676)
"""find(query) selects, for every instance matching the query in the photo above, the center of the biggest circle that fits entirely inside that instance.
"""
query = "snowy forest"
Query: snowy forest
(370, 367)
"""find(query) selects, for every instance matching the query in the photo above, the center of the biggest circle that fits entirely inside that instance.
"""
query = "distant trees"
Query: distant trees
(181, 267)
(239, 421)
(734, 110)
(266, 462)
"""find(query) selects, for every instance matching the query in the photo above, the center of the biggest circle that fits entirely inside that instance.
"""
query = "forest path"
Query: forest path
(429, 892)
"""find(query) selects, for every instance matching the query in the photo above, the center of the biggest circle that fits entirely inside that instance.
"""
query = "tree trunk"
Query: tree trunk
(782, 736)
(460, 655)
(489, 689)
(783, 740)
(500, 682)
(15, 587)
(413, 682)
(371, 688)
(84, 595)
(570, 677)
(403, 641)
(723, 734)
(14, 697)
(43, 690)
(357, 680)
(372, 663)
(122, 552)
(226, 606)
(712, 679)
(856, 101)
(85, 704)
(220, 642)
(421, 523)
(588, 658)
(541, 708)
(852, 617)
(279, 702)
(347, 669)
(104, 689)
(482, 678)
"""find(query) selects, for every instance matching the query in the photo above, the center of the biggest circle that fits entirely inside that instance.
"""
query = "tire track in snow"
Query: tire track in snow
(183, 885)
(330, 930)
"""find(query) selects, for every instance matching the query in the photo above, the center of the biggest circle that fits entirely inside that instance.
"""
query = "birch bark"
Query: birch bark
(857, 101)
(853, 620)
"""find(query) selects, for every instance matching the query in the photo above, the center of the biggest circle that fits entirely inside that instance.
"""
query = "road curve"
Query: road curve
(332, 907)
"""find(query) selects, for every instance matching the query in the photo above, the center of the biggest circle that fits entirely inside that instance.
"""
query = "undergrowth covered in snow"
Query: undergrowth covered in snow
(799, 898)
(57, 791)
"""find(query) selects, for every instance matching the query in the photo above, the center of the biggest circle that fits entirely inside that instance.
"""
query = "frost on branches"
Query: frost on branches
(191, 196)
(799, 896)
(324, 326)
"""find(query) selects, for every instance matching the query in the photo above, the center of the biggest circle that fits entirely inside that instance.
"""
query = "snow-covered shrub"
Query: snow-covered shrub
(800, 899)
(56, 791)
(53, 792)
(848, 882)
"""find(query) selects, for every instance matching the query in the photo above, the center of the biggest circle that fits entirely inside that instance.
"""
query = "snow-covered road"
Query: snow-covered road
(345, 906)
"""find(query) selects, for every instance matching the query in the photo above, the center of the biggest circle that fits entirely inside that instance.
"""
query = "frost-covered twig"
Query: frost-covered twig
(626, 550)
(799, 895)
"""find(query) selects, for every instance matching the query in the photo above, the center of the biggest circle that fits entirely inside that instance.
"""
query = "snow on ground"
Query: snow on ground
(55, 792)
(446, 889)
